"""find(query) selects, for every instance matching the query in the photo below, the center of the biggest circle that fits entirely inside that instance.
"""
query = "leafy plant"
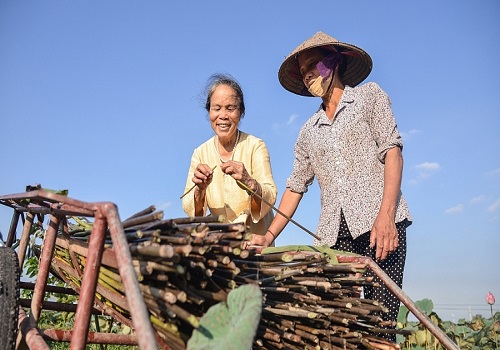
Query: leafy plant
(64, 320)
(230, 325)
(479, 333)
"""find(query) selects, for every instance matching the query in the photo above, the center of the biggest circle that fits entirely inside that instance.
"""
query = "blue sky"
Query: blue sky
(103, 98)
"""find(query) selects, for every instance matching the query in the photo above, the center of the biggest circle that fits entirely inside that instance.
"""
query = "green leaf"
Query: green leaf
(61, 192)
(403, 316)
(423, 337)
(425, 305)
(325, 250)
(230, 325)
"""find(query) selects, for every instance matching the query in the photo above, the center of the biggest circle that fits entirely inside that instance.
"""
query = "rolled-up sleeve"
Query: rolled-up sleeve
(382, 122)
(302, 175)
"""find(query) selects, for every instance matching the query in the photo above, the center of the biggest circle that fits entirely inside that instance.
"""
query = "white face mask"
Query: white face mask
(320, 85)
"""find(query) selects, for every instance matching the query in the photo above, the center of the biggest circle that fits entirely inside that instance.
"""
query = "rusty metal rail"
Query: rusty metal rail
(403, 297)
(105, 214)
(32, 204)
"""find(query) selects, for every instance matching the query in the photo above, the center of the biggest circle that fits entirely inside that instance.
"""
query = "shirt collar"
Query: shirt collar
(347, 98)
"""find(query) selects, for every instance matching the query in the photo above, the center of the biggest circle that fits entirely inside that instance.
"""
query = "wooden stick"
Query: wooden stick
(277, 210)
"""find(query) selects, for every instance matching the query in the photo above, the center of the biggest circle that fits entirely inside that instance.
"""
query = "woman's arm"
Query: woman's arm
(288, 205)
(384, 235)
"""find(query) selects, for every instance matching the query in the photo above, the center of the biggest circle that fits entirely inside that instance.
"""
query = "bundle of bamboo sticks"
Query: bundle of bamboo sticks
(186, 265)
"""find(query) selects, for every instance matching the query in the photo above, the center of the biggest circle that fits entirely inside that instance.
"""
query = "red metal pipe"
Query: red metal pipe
(11, 237)
(30, 335)
(138, 310)
(89, 283)
(106, 214)
(403, 297)
(92, 337)
(25, 237)
(49, 242)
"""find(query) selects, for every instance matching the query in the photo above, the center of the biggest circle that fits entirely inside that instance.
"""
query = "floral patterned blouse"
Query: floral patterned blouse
(347, 156)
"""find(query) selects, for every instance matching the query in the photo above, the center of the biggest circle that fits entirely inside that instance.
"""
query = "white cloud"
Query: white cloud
(163, 206)
(292, 119)
(495, 206)
(455, 210)
(428, 166)
(289, 122)
(495, 172)
(425, 170)
(477, 200)
(407, 135)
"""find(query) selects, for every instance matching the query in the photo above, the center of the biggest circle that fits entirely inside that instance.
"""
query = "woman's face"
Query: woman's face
(224, 112)
(307, 65)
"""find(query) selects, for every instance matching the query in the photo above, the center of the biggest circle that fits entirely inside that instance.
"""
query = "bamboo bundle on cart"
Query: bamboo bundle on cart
(186, 265)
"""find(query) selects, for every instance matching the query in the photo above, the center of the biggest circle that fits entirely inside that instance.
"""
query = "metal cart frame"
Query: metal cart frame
(29, 204)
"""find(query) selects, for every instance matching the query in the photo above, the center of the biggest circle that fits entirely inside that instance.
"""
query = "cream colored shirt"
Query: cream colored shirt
(224, 196)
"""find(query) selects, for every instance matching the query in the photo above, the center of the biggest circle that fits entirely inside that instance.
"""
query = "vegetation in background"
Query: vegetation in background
(64, 320)
(477, 334)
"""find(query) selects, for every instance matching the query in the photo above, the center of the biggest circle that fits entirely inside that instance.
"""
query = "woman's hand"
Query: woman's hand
(202, 176)
(238, 171)
(260, 240)
(384, 236)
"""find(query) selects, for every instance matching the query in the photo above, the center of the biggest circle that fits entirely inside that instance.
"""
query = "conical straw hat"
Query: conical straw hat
(358, 66)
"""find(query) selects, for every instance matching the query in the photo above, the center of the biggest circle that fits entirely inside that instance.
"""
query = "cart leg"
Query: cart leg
(49, 243)
(30, 338)
(89, 283)
(12, 230)
(25, 237)
(138, 310)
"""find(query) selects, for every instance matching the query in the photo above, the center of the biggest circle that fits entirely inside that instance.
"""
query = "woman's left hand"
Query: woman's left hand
(237, 171)
(384, 236)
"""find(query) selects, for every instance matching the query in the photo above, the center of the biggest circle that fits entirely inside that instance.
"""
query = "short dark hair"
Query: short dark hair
(224, 79)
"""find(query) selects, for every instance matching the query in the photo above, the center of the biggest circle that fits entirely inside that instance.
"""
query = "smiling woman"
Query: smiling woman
(231, 158)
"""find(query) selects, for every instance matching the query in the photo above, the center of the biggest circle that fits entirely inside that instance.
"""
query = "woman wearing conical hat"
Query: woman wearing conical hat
(352, 146)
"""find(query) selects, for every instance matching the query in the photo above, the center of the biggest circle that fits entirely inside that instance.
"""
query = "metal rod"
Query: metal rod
(138, 310)
(30, 334)
(49, 243)
(25, 238)
(89, 283)
(404, 298)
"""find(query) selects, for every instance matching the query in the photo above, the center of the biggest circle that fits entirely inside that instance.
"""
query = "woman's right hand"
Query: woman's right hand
(260, 240)
(202, 176)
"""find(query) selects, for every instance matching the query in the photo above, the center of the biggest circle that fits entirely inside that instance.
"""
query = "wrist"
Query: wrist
(199, 192)
(254, 187)
(273, 236)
